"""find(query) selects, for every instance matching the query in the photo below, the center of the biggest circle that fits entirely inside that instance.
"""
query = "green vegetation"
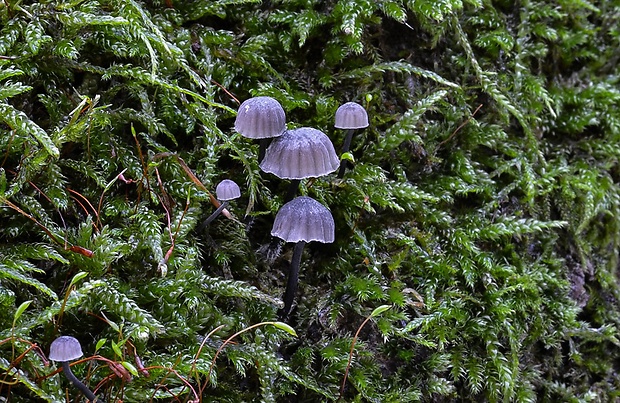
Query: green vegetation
(482, 207)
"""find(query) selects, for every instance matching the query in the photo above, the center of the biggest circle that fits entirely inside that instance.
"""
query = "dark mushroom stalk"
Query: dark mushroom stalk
(214, 215)
(226, 190)
(65, 349)
(349, 116)
(293, 279)
(263, 144)
(345, 148)
(76, 382)
(301, 220)
(291, 191)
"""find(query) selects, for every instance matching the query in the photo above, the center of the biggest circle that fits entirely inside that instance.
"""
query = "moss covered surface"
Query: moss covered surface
(482, 205)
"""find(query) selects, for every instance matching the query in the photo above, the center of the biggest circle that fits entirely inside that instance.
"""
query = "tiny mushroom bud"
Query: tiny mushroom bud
(301, 220)
(349, 116)
(260, 118)
(225, 190)
(299, 154)
(63, 350)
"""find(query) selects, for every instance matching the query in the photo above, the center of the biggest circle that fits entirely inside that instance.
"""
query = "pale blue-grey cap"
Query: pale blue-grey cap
(260, 118)
(351, 116)
(304, 219)
(65, 348)
(299, 154)
(227, 190)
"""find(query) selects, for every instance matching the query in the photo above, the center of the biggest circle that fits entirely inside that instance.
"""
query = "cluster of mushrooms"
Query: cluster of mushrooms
(296, 155)
(288, 154)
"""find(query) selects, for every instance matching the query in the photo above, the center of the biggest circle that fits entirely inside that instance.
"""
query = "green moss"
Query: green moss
(482, 205)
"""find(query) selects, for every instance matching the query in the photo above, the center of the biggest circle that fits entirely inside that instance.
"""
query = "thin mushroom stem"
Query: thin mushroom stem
(345, 148)
(293, 277)
(214, 215)
(347, 140)
(292, 190)
(262, 147)
(77, 383)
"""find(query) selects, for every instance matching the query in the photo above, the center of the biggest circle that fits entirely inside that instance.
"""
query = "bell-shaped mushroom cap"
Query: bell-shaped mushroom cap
(65, 348)
(260, 118)
(227, 190)
(351, 116)
(304, 219)
(300, 153)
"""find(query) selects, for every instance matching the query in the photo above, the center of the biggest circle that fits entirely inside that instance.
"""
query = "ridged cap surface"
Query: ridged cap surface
(227, 190)
(304, 219)
(300, 153)
(351, 116)
(260, 118)
(65, 348)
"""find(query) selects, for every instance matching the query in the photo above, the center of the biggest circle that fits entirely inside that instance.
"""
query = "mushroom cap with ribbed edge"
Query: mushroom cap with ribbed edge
(351, 116)
(227, 190)
(299, 154)
(65, 348)
(304, 219)
(260, 118)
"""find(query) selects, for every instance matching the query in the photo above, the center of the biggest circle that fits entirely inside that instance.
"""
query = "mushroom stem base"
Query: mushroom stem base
(77, 383)
(293, 277)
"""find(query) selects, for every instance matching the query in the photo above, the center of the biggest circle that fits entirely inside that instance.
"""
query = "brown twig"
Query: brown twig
(228, 340)
(87, 202)
(193, 367)
(16, 361)
(30, 217)
(377, 311)
(346, 371)
(458, 128)
(226, 91)
(194, 179)
(142, 162)
(173, 371)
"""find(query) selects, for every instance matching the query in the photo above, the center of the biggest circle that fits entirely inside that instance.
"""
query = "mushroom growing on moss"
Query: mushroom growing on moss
(349, 116)
(301, 220)
(225, 191)
(261, 118)
(299, 154)
(63, 350)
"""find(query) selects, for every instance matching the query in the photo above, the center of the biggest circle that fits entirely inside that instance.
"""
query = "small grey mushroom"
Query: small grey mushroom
(225, 191)
(261, 118)
(63, 350)
(301, 220)
(349, 116)
(299, 154)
